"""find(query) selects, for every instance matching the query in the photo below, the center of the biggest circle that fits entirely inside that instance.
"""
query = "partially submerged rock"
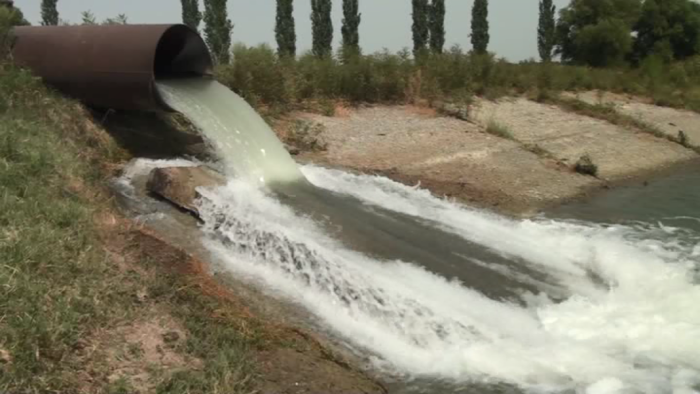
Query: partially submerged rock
(179, 184)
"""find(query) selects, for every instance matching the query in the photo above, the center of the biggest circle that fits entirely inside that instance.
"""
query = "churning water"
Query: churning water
(439, 291)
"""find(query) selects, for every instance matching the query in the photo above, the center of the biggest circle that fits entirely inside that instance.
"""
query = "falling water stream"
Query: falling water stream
(451, 296)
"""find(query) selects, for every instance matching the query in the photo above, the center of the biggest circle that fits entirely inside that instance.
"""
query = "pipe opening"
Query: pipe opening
(181, 53)
(112, 66)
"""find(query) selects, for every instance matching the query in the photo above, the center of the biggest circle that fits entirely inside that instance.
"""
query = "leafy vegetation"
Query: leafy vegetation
(351, 26)
(480, 26)
(421, 27)
(322, 27)
(306, 135)
(669, 29)
(65, 281)
(279, 84)
(9, 17)
(218, 30)
(88, 18)
(546, 30)
(597, 32)
(585, 166)
(437, 25)
(498, 129)
(191, 16)
(49, 13)
(285, 32)
(612, 33)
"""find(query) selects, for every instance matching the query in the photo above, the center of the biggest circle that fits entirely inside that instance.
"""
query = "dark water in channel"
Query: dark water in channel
(673, 200)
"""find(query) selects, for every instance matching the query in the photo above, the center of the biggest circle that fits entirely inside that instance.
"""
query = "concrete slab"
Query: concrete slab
(448, 156)
(619, 153)
(668, 120)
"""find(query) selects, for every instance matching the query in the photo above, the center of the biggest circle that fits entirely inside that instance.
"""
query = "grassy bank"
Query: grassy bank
(279, 84)
(72, 282)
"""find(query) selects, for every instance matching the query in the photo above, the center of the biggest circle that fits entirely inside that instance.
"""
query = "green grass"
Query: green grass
(54, 277)
(58, 284)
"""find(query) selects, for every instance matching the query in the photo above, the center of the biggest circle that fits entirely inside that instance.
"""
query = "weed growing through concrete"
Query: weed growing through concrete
(499, 130)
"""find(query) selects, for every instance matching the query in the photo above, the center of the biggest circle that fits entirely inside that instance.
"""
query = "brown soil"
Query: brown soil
(141, 353)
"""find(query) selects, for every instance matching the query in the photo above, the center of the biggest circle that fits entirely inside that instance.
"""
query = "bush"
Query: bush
(499, 130)
(8, 19)
(283, 84)
(585, 166)
(307, 135)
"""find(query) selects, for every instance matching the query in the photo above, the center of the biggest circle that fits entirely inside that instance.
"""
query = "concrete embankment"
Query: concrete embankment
(524, 167)
(670, 121)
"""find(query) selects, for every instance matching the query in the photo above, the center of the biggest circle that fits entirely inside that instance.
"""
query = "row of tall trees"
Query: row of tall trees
(218, 28)
(285, 31)
(594, 32)
(428, 25)
(49, 12)
(322, 27)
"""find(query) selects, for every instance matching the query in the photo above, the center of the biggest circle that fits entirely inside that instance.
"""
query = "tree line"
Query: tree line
(599, 33)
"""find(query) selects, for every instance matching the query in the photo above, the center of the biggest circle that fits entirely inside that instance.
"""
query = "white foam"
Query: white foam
(640, 333)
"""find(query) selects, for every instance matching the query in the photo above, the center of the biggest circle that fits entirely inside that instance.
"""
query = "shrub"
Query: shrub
(8, 19)
(585, 166)
(266, 80)
(307, 135)
(498, 130)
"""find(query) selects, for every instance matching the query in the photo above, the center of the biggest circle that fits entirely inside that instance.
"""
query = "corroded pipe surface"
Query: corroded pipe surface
(112, 66)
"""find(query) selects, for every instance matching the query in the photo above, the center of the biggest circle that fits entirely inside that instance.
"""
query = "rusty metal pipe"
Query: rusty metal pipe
(112, 66)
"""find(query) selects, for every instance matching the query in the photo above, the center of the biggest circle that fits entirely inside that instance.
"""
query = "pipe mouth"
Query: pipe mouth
(114, 66)
(181, 53)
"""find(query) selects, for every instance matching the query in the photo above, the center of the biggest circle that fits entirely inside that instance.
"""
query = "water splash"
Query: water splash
(640, 333)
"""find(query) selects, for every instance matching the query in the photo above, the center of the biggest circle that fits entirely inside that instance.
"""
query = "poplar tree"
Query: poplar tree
(88, 18)
(437, 25)
(218, 29)
(351, 25)
(191, 16)
(546, 31)
(480, 26)
(285, 32)
(421, 29)
(322, 27)
(49, 12)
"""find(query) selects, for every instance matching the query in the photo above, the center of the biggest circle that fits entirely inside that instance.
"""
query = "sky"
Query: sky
(385, 23)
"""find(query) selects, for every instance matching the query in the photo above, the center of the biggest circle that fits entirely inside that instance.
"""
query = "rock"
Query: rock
(179, 184)
(293, 150)
(171, 336)
(5, 357)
